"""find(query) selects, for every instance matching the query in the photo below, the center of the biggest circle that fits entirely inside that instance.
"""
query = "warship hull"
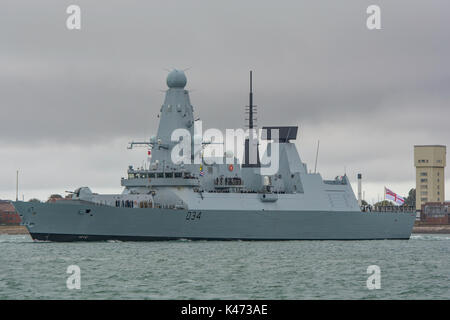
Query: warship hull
(87, 222)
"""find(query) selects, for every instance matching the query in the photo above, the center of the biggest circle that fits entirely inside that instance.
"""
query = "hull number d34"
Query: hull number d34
(193, 215)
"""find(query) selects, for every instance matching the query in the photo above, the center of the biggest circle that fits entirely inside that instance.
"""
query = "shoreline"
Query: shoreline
(13, 230)
(436, 229)
(422, 229)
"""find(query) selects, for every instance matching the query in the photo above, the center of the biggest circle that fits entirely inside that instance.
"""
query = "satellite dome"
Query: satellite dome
(176, 79)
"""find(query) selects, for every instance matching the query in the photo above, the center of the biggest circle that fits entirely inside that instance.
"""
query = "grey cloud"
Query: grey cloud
(315, 65)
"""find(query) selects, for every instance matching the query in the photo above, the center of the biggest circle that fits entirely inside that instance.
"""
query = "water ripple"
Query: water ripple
(414, 269)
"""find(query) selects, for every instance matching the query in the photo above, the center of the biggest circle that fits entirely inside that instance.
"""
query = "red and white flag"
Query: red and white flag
(390, 195)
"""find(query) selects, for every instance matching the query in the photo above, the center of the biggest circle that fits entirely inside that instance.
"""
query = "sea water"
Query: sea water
(418, 268)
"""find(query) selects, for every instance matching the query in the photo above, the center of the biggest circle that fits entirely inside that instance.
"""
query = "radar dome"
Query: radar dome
(176, 79)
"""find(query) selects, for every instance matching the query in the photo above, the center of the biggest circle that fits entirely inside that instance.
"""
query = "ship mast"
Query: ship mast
(251, 146)
(250, 104)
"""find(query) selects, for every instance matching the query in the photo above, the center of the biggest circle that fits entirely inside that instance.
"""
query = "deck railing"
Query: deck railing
(370, 208)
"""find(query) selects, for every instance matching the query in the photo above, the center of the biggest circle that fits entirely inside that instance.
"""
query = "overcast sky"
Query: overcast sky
(71, 100)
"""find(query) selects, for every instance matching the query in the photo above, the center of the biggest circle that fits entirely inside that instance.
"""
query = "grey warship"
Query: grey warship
(214, 200)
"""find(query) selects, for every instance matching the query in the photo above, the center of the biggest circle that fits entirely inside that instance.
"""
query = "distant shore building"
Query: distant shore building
(435, 213)
(8, 215)
(429, 161)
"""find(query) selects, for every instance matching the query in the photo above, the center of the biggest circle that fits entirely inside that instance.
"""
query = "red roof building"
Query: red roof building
(8, 214)
(435, 213)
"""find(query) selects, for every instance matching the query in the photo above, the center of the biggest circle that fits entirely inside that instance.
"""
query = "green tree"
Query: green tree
(34, 200)
(54, 197)
(384, 203)
(410, 200)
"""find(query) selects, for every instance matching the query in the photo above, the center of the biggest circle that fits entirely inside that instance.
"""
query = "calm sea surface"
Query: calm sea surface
(414, 269)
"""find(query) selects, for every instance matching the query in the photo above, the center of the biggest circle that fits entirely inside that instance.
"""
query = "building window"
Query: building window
(423, 174)
(438, 192)
(424, 180)
(423, 199)
(424, 193)
(438, 174)
(424, 186)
